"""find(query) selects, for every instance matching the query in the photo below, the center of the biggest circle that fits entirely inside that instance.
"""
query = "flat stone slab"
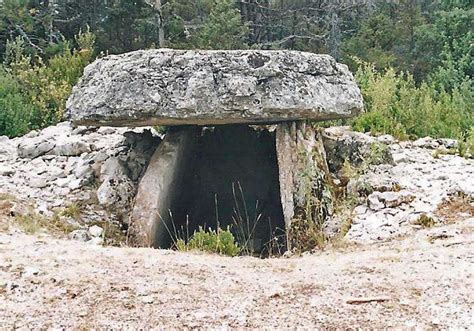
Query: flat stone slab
(177, 87)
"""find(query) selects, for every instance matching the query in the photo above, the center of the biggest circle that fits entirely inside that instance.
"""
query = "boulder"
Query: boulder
(117, 189)
(177, 87)
(342, 144)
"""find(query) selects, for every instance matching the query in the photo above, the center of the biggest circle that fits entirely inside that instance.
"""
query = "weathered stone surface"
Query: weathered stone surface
(117, 189)
(150, 219)
(175, 87)
(304, 177)
(342, 144)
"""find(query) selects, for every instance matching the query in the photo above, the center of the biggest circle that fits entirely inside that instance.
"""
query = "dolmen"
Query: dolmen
(241, 147)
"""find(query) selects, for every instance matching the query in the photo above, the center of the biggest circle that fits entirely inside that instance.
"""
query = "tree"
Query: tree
(223, 29)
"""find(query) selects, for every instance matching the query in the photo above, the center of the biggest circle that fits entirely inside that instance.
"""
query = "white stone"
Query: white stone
(96, 231)
(6, 171)
(38, 182)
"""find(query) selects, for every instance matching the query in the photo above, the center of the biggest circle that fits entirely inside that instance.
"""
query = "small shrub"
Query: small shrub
(34, 223)
(425, 221)
(305, 235)
(17, 113)
(212, 241)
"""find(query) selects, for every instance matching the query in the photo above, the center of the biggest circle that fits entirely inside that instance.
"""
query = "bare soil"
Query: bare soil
(425, 281)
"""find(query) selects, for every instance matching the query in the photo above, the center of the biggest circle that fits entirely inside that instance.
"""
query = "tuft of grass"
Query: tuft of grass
(425, 221)
(74, 211)
(457, 208)
(244, 226)
(212, 241)
(305, 235)
(29, 224)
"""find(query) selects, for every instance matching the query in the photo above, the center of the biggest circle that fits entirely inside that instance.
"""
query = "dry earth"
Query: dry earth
(424, 280)
(412, 277)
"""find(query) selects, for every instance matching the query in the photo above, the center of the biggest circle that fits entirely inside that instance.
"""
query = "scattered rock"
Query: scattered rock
(34, 147)
(96, 231)
(80, 235)
(6, 171)
(426, 142)
(148, 299)
(398, 194)
(38, 182)
(97, 241)
(30, 271)
(73, 147)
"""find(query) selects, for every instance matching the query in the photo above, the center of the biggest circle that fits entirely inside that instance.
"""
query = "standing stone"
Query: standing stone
(150, 219)
(304, 180)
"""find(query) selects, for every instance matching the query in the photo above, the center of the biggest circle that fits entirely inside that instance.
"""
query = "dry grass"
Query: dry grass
(33, 223)
(458, 208)
(74, 210)
(7, 196)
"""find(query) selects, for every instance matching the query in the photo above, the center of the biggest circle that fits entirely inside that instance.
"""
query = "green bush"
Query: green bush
(394, 104)
(16, 111)
(212, 241)
(33, 91)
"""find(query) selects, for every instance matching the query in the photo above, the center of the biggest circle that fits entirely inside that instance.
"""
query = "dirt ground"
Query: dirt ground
(425, 281)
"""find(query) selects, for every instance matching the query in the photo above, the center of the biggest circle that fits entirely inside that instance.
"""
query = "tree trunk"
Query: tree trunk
(156, 4)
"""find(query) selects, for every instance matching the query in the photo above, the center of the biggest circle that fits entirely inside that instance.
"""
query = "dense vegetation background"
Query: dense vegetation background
(413, 58)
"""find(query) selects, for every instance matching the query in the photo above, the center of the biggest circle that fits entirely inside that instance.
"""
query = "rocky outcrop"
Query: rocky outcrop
(344, 145)
(175, 87)
(393, 197)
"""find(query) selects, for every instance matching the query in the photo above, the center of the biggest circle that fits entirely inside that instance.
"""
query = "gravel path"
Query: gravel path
(424, 280)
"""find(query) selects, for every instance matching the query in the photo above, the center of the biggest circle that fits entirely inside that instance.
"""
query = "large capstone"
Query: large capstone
(177, 87)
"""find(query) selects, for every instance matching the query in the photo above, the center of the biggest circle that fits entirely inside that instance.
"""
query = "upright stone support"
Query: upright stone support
(305, 183)
(160, 187)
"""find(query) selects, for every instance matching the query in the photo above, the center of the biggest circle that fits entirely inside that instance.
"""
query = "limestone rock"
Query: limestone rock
(159, 188)
(342, 144)
(96, 231)
(71, 147)
(117, 189)
(35, 147)
(304, 175)
(6, 171)
(80, 235)
(177, 87)
(6, 148)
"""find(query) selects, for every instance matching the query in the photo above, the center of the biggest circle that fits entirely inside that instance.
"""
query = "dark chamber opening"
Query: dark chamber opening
(233, 180)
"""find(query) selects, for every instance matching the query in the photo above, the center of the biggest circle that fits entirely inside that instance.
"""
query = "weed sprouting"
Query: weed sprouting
(243, 225)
